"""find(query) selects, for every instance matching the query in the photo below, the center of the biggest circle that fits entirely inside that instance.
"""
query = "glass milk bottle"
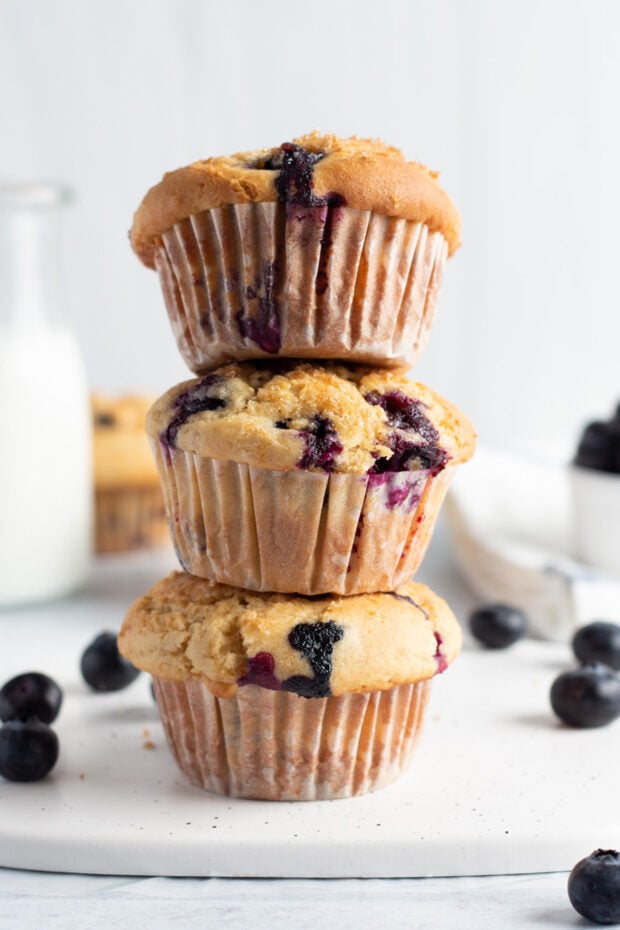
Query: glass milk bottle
(45, 431)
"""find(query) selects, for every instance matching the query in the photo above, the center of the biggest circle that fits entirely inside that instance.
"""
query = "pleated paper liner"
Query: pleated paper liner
(129, 518)
(274, 745)
(297, 531)
(260, 279)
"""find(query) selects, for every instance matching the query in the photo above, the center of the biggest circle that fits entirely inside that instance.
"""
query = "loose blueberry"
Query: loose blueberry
(28, 750)
(594, 887)
(498, 625)
(598, 642)
(586, 697)
(32, 694)
(104, 668)
(599, 446)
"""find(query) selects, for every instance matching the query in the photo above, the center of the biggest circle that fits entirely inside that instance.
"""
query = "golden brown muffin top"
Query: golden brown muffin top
(121, 454)
(188, 628)
(313, 170)
(284, 415)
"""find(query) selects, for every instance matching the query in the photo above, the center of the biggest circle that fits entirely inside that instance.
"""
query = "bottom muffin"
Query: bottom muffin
(281, 697)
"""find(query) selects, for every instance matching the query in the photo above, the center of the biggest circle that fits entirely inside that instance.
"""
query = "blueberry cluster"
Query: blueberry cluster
(585, 697)
(30, 702)
(599, 445)
(28, 745)
(589, 696)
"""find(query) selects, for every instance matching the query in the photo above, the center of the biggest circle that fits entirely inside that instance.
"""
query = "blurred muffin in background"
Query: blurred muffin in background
(129, 508)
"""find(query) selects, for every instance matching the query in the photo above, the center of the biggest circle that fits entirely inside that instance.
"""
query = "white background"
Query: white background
(514, 101)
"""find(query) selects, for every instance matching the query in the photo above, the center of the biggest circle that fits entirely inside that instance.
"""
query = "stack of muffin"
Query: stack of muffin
(302, 470)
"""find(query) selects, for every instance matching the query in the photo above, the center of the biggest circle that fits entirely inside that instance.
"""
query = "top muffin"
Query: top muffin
(312, 170)
(321, 248)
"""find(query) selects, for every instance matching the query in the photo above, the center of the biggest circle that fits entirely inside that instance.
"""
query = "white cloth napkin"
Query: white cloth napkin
(510, 518)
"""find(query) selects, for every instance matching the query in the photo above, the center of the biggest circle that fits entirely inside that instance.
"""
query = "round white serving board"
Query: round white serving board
(497, 785)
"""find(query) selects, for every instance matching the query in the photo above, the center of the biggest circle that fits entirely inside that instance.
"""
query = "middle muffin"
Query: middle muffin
(298, 478)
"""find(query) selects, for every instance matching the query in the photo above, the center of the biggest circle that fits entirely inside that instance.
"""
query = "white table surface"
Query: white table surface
(54, 901)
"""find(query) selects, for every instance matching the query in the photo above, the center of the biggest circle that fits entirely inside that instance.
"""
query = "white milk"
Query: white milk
(45, 464)
(45, 423)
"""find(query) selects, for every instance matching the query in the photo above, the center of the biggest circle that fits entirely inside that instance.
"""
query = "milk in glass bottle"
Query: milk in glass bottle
(45, 439)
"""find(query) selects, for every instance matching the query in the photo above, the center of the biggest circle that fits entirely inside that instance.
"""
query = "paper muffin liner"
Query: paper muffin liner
(277, 746)
(129, 518)
(259, 279)
(298, 531)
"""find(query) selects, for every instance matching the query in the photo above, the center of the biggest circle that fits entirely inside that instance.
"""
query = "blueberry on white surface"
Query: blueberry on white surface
(598, 642)
(587, 697)
(498, 626)
(594, 887)
(104, 668)
(28, 750)
(599, 445)
(31, 694)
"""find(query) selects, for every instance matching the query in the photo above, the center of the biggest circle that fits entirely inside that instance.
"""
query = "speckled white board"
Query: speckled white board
(497, 785)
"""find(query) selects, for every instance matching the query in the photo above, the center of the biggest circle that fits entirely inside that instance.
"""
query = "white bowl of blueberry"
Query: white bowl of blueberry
(595, 475)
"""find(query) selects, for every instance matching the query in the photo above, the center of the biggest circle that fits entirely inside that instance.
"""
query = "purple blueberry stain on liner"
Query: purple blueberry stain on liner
(404, 492)
(264, 329)
(322, 278)
(195, 399)
(294, 186)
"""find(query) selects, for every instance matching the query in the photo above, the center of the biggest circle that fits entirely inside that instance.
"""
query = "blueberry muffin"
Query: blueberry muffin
(293, 477)
(129, 507)
(318, 248)
(289, 698)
